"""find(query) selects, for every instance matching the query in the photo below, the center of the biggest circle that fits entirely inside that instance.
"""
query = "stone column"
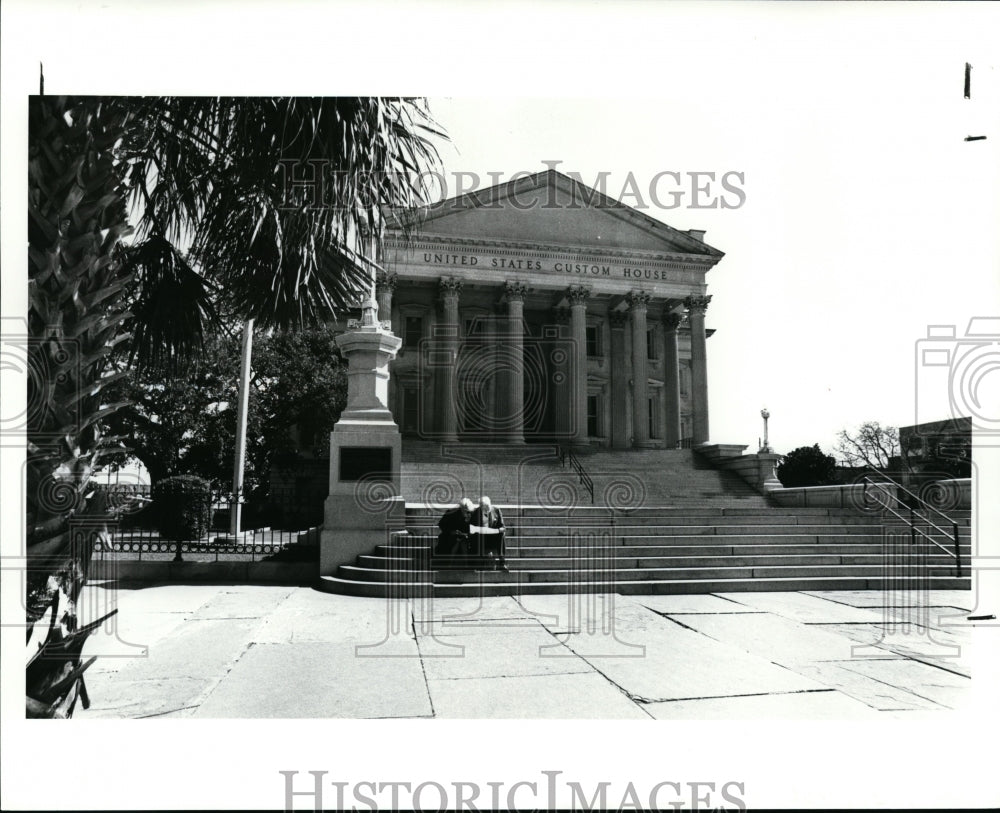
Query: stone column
(578, 296)
(487, 351)
(447, 341)
(637, 301)
(672, 379)
(499, 374)
(385, 284)
(699, 370)
(559, 391)
(514, 424)
(619, 381)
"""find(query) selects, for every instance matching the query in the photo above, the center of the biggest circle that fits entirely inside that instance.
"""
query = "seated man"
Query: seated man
(454, 525)
(486, 516)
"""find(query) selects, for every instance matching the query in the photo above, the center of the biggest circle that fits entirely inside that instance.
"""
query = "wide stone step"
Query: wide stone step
(386, 556)
(641, 574)
(514, 585)
(705, 530)
(723, 550)
(654, 522)
(690, 558)
(714, 544)
(616, 538)
(650, 519)
(666, 531)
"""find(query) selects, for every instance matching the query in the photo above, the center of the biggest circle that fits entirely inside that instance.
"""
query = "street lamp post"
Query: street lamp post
(766, 449)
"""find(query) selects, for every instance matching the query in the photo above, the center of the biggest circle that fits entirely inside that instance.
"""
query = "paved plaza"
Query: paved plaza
(250, 651)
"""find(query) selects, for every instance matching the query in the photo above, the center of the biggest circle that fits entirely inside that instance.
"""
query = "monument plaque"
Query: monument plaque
(365, 462)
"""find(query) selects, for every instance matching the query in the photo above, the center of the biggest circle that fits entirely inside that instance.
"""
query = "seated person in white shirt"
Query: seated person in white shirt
(487, 516)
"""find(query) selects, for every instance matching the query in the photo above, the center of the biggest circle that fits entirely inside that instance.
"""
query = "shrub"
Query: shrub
(183, 507)
(807, 466)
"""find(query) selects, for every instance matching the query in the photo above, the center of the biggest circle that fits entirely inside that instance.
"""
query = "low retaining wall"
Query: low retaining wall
(205, 572)
(840, 496)
(944, 495)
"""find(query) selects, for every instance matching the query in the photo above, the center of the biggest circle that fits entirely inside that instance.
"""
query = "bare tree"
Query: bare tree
(871, 445)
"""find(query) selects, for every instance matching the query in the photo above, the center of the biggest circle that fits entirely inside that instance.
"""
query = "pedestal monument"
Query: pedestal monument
(365, 447)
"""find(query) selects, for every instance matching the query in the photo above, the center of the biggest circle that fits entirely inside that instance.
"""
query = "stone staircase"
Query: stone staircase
(661, 551)
(661, 524)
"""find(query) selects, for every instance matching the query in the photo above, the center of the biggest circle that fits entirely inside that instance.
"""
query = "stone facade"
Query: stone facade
(539, 310)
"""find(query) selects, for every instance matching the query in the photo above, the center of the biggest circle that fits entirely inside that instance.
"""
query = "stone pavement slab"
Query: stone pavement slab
(945, 688)
(680, 663)
(196, 649)
(127, 636)
(531, 652)
(875, 693)
(827, 704)
(679, 605)
(164, 598)
(153, 697)
(304, 616)
(469, 608)
(319, 680)
(803, 608)
(244, 601)
(962, 599)
(601, 612)
(581, 696)
(500, 626)
(778, 639)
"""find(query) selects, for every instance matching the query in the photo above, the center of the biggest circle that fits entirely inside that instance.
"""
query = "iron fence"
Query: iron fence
(282, 525)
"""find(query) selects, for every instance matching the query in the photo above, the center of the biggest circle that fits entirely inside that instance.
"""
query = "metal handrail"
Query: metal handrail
(914, 530)
(565, 455)
(887, 480)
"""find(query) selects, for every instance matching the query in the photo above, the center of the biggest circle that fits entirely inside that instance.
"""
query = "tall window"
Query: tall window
(594, 341)
(654, 416)
(651, 353)
(594, 416)
(413, 331)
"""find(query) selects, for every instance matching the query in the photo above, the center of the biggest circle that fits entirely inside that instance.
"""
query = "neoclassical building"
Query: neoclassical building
(541, 310)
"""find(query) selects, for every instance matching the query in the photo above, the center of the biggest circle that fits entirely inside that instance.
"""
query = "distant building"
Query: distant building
(936, 450)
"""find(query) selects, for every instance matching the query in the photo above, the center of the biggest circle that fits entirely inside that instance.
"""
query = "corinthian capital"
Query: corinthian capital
(698, 303)
(449, 286)
(577, 294)
(638, 299)
(383, 279)
(515, 290)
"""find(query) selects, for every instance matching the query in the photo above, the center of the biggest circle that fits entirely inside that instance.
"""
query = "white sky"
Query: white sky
(867, 218)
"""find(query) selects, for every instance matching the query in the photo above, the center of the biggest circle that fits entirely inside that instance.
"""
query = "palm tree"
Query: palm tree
(277, 202)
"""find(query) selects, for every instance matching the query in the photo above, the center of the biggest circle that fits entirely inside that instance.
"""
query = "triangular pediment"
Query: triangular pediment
(555, 209)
